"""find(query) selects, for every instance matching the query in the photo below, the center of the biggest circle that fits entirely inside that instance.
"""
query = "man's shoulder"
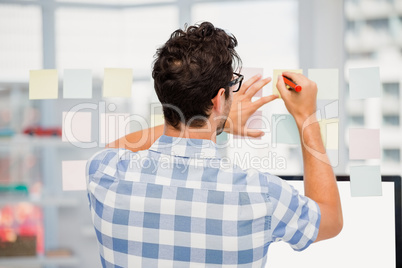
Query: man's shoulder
(104, 155)
(108, 157)
(253, 172)
(108, 154)
(254, 179)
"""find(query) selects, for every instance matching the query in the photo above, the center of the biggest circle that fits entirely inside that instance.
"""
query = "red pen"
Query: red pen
(291, 85)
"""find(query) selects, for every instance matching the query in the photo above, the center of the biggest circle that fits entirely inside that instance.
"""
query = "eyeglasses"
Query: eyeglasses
(237, 80)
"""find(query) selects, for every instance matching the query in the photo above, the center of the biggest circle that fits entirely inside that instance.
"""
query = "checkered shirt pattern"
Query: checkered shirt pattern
(177, 205)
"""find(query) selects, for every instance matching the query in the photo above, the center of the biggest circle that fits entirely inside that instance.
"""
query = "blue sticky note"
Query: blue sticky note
(327, 81)
(332, 110)
(222, 138)
(284, 129)
(364, 83)
(77, 84)
(365, 181)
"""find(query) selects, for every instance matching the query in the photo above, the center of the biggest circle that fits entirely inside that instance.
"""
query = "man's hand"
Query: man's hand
(299, 104)
(242, 107)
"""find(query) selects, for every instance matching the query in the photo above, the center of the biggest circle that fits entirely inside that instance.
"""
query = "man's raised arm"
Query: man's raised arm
(138, 141)
(242, 108)
(319, 179)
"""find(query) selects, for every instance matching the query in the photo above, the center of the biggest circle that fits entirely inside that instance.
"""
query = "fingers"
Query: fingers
(294, 76)
(254, 133)
(280, 85)
(300, 80)
(249, 82)
(257, 86)
(264, 100)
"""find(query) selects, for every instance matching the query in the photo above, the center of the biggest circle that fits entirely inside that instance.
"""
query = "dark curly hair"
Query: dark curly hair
(190, 68)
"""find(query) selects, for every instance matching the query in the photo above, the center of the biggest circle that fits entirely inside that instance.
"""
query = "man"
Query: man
(162, 197)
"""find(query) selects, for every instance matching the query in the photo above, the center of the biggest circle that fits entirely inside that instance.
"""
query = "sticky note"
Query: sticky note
(117, 82)
(156, 108)
(332, 110)
(364, 143)
(76, 127)
(73, 175)
(330, 133)
(43, 84)
(77, 84)
(250, 72)
(157, 119)
(278, 72)
(364, 83)
(222, 138)
(333, 156)
(113, 126)
(253, 122)
(327, 81)
(284, 129)
(365, 181)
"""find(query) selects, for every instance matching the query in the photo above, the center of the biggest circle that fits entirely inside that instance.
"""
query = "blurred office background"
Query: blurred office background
(98, 34)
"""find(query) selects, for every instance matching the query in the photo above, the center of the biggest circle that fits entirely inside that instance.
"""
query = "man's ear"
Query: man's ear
(218, 100)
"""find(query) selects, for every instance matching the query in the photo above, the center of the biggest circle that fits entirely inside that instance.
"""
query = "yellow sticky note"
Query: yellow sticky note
(157, 119)
(278, 72)
(117, 82)
(43, 84)
(330, 133)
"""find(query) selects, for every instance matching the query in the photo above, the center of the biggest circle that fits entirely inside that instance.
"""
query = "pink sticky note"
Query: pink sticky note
(254, 122)
(113, 126)
(73, 175)
(76, 127)
(364, 143)
(250, 72)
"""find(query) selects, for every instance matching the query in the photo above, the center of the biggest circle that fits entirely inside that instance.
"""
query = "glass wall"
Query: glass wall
(98, 34)
(262, 44)
(21, 41)
(373, 38)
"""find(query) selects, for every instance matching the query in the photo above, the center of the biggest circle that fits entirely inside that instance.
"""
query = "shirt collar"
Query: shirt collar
(178, 146)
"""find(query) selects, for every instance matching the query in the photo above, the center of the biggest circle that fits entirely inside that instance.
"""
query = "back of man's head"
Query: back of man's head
(189, 70)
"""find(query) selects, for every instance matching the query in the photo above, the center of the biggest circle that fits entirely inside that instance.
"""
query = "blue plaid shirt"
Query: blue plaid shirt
(178, 205)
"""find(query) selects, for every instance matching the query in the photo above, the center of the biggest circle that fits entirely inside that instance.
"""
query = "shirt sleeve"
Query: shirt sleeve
(101, 172)
(98, 162)
(295, 217)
